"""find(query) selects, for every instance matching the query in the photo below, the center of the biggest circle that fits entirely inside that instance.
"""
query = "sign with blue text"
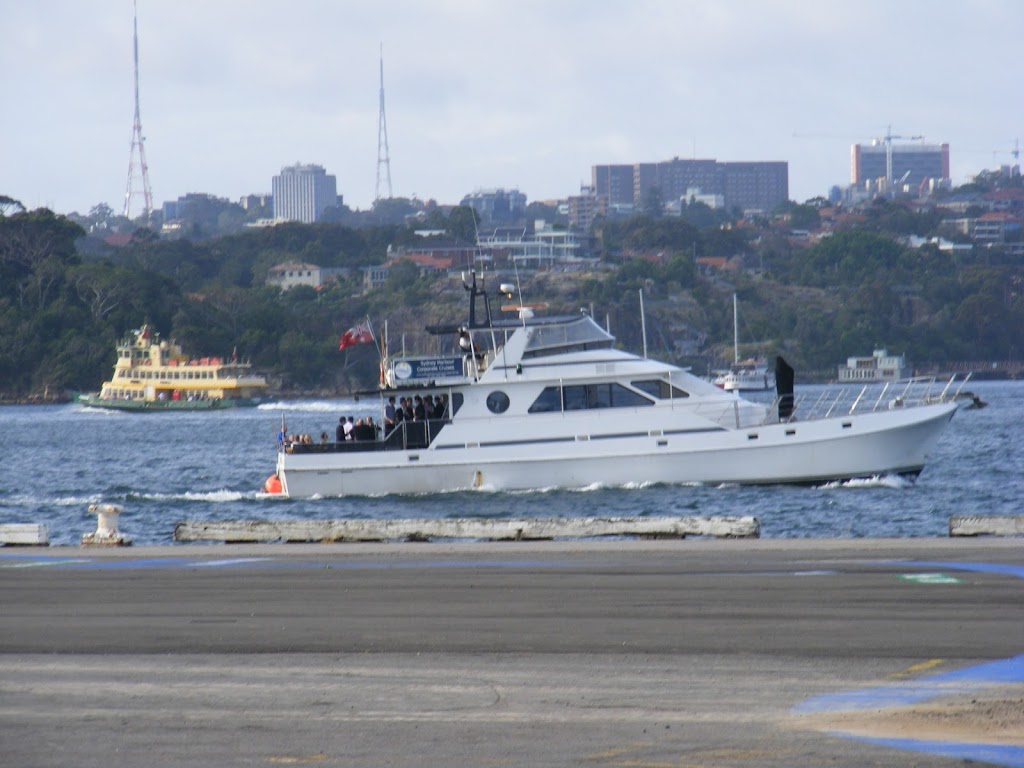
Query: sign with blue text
(427, 368)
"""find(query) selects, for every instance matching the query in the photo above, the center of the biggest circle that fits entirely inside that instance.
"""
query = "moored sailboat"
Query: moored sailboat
(749, 375)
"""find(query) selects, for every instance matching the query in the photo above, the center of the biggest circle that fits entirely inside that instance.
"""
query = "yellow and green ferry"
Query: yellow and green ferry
(156, 375)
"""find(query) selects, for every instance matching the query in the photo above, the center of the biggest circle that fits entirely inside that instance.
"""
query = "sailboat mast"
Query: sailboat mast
(735, 331)
(643, 322)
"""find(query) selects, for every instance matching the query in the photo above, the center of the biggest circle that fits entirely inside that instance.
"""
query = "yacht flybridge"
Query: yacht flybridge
(549, 402)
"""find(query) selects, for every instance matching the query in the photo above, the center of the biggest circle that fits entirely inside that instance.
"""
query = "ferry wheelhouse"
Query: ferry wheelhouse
(536, 403)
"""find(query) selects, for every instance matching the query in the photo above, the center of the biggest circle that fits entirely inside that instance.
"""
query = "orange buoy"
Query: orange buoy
(273, 484)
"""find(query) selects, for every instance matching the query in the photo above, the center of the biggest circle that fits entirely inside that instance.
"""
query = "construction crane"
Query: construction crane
(888, 150)
(1014, 170)
(886, 140)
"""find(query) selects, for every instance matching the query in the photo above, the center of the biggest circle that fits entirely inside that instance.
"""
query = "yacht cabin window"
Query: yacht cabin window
(497, 402)
(582, 397)
(573, 336)
(659, 388)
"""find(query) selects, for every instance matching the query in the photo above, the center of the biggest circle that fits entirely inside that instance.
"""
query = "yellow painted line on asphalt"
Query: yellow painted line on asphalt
(915, 669)
(297, 759)
(628, 757)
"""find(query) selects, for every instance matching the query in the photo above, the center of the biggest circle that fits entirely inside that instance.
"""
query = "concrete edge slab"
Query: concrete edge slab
(986, 525)
(529, 529)
(24, 534)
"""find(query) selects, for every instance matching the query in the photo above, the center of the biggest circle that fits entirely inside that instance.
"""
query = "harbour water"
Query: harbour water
(166, 468)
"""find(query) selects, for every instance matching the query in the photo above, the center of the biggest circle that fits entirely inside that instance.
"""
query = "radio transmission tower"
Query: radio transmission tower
(383, 155)
(137, 170)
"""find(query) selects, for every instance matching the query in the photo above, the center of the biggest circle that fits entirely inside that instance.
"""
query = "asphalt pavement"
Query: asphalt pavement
(710, 653)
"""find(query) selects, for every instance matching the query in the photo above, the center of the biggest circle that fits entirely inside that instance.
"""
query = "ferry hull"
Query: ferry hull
(159, 406)
(810, 452)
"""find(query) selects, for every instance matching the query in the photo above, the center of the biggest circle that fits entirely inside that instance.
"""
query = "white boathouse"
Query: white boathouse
(881, 366)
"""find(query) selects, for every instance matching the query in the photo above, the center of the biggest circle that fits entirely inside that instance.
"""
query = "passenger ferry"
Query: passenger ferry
(537, 403)
(155, 375)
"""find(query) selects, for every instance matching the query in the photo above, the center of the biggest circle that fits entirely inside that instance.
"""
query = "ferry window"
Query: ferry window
(659, 388)
(456, 403)
(497, 402)
(550, 400)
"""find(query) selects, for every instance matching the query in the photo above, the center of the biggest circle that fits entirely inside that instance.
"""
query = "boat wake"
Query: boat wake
(60, 501)
(878, 481)
(319, 406)
(95, 410)
(220, 496)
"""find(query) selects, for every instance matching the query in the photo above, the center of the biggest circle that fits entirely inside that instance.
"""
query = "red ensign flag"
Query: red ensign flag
(360, 334)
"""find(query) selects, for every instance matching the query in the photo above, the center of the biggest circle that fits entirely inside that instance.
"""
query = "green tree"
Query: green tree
(462, 224)
(9, 205)
(652, 205)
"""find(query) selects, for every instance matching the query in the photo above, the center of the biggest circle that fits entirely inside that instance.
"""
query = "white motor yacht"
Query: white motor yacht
(550, 402)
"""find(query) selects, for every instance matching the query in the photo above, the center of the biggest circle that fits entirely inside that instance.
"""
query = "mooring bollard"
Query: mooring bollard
(106, 534)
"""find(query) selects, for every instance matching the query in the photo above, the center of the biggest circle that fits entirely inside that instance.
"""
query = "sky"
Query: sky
(525, 94)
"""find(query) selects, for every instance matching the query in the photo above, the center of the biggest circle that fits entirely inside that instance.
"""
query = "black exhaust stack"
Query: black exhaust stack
(784, 388)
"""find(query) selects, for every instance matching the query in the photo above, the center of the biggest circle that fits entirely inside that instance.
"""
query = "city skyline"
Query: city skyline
(516, 95)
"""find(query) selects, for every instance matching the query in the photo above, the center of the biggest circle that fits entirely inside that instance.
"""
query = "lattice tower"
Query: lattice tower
(137, 168)
(383, 154)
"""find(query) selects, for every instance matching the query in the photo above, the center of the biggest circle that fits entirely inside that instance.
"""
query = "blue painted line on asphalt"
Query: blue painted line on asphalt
(996, 754)
(1016, 571)
(87, 563)
(960, 681)
(912, 692)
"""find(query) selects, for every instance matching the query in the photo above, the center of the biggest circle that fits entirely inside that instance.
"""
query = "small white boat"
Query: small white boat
(750, 375)
(535, 403)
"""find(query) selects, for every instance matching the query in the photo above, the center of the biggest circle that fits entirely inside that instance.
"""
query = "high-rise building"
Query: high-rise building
(755, 186)
(303, 193)
(584, 208)
(911, 164)
(497, 205)
(749, 186)
(614, 183)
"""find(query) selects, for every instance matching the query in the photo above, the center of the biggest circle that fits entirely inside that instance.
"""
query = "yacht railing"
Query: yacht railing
(832, 401)
(405, 435)
(844, 400)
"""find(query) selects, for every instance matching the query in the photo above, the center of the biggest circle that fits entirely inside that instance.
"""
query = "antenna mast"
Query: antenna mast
(383, 155)
(139, 169)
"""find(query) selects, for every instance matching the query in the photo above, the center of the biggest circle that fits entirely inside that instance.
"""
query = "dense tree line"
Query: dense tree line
(65, 299)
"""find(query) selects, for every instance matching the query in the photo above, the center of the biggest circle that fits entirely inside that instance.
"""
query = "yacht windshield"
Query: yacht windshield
(572, 336)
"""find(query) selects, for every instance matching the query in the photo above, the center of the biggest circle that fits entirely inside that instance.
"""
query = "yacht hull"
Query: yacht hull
(613, 452)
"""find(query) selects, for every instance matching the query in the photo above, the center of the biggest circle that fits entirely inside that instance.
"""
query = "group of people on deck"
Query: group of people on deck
(414, 408)
(350, 428)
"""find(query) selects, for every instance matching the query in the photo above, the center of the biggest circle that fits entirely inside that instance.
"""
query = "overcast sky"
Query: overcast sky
(493, 93)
